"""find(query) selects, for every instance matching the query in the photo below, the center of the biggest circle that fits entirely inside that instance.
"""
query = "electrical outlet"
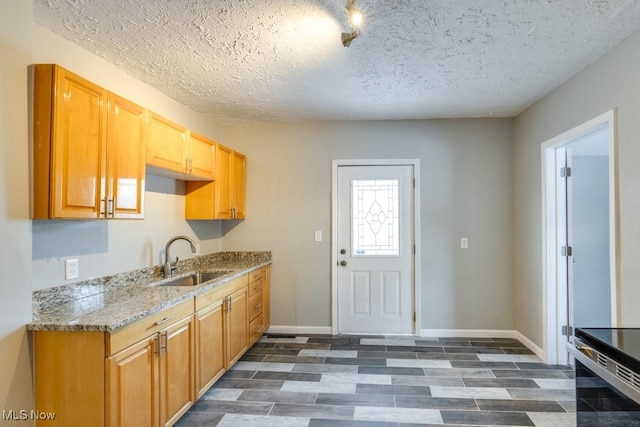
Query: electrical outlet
(71, 269)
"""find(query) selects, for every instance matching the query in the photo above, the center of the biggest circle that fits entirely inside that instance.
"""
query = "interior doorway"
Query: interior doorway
(374, 247)
(579, 233)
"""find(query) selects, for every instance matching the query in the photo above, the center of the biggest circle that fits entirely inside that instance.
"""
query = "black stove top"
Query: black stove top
(622, 344)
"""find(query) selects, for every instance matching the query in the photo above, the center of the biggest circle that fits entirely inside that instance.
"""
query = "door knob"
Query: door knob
(343, 251)
(343, 263)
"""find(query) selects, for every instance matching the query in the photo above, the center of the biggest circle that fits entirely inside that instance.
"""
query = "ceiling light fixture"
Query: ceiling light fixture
(355, 20)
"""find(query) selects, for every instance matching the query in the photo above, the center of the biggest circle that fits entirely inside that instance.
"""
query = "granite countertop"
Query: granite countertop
(109, 303)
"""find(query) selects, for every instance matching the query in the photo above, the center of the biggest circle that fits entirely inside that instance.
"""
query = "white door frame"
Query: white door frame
(551, 300)
(334, 232)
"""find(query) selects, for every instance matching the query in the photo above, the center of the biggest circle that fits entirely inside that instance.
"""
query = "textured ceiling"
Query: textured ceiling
(282, 60)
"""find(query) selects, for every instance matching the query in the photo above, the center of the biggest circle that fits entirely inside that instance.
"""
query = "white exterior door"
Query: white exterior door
(375, 259)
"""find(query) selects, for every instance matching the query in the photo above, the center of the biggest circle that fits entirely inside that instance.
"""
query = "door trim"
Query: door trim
(551, 318)
(415, 163)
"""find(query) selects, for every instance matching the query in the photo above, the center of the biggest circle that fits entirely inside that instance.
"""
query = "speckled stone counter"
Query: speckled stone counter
(111, 302)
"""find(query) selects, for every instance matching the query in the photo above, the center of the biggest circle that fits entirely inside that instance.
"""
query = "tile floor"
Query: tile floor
(316, 381)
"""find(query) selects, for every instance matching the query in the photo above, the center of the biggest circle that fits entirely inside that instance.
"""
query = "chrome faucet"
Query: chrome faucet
(168, 269)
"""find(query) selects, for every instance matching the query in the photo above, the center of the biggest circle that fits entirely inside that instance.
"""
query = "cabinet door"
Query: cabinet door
(79, 147)
(238, 185)
(125, 159)
(200, 200)
(266, 298)
(201, 157)
(237, 325)
(166, 144)
(223, 182)
(177, 370)
(132, 385)
(209, 346)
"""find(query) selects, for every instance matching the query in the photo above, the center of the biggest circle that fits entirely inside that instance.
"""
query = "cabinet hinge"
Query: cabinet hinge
(566, 251)
(567, 330)
(415, 317)
(565, 172)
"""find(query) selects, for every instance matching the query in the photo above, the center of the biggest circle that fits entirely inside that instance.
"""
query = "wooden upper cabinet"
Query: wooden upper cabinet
(238, 185)
(202, 156)
(223, 202)
(175, 151)
(88, 149)
(126, 126)
(230, 180)
(225, 197)
(166, 145)
(69, 154)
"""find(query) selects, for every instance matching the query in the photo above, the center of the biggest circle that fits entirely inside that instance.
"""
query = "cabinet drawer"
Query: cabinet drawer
(256, 287)
(256, 274)
(256, 329)
(255, 305)
(220, 292)
(148, 325)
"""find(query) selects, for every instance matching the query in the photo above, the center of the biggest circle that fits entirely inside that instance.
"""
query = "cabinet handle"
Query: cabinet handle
(190, 166)
(103, 207)
(230, 303)
(165, 320)
(159, 345)
(110, 207)
(257, 306)
(166, 341)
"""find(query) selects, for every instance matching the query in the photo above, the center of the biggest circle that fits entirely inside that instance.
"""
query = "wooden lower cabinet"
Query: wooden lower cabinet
(236, 326)
(210, 355)
(151, 383)
(177, 369)
(256, 305)
(266, 297)
(221, 331)
(132, 394)
(69, 377)
(148, 373)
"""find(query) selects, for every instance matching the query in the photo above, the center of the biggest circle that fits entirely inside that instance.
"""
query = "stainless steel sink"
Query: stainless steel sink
(195, 278)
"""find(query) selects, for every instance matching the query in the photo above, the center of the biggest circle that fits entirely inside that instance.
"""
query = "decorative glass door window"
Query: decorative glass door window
(374, 217)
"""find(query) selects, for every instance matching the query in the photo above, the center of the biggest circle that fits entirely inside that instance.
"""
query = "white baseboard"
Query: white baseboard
(483, 333)
(530, 345)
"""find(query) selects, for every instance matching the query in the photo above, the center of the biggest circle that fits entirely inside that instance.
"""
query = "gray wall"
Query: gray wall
(610, 82)
(466, 191)
(15, 250)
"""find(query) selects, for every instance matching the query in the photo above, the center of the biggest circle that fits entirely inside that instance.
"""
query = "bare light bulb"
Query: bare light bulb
(355, 18)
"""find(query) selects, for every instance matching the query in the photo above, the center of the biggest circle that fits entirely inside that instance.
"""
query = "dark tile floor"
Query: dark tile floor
(365, 381)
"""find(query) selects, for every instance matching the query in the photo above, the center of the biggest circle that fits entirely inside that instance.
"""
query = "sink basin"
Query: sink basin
(195, 278)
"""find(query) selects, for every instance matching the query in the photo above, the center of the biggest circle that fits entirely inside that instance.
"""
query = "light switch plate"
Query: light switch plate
(464, 243)
(318, 236)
